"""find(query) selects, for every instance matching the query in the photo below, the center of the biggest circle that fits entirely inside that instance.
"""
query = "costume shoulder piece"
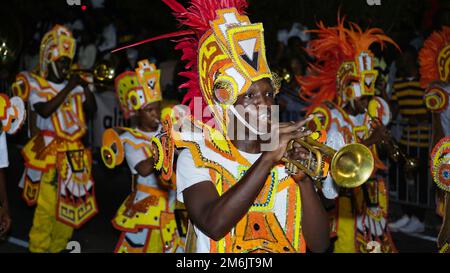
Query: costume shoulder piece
(113, 152)
(160, 147)
(208, 146)
(12, 113)
(437, 97)
(27, 81)
(379, 109)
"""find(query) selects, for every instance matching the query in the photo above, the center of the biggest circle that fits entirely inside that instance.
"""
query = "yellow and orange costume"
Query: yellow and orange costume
(343, 71)
(434, 60)
(146, 218)
(57, 176)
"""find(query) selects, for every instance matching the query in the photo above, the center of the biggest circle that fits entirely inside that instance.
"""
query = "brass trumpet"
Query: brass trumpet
(396, 154)
(350, 167)
(103, 72)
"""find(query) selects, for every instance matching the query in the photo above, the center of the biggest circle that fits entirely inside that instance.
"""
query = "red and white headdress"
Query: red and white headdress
(224, 51)
(57, 43)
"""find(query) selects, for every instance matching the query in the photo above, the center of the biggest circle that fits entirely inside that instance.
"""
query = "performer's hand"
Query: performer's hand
(76, 80)
(298, 153)
(5, 222)
(378, 135)
(285, 132)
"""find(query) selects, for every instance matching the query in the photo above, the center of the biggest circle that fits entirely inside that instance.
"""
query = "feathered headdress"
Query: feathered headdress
(224, 51)
(136, 89)
(434, 57)
(57, 43)
(344, 65)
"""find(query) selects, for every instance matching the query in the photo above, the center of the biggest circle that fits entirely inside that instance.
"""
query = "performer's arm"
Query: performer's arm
(46, 109)
(216, 215)
(145, 167)
(89, 105)
(315, 225)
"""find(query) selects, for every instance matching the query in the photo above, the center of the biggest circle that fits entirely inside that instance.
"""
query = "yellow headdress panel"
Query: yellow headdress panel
(231, 57)
(137, 89)
(57, 43)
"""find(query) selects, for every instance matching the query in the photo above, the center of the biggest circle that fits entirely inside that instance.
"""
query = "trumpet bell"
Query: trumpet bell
(104, 72)
(352, 165)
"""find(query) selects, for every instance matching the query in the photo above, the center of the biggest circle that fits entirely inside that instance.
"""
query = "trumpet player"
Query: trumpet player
(341, 87)
(146, 218)
(239, 197)
(435, 77)
(57, 177)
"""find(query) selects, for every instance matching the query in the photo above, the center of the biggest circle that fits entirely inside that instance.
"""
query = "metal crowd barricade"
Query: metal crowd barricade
(396, 171)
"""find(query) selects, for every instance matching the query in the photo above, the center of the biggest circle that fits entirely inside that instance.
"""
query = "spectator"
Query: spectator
(407, 100)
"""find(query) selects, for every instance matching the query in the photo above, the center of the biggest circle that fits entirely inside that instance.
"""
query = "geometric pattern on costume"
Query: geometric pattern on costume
(57, 43)
(76, 202)
(440, 171)
(149, 218)
(344, 66)
(259, 230)
(137, 89)
(68, 121)
(440, 164)
(60, 149)
(12, 114)
(76, 197)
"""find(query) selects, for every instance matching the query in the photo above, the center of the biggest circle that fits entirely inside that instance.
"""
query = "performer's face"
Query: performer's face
(361, 104)
(149, 115)
(62, 67)
(256, 103)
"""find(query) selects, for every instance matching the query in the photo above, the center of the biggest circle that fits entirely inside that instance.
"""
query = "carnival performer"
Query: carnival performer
(434, 60)
(57, 174)
(12, 117)
(341, 88)
(239, 196)
(146, 218)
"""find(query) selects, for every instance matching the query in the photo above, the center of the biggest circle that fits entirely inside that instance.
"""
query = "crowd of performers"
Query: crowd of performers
(196, 185)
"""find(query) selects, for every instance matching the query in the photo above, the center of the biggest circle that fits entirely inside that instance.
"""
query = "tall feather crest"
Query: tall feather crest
(332, 47)
(428, 56)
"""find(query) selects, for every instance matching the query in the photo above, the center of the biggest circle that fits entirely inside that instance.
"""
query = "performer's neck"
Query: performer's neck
(148, 129)
(248, 146)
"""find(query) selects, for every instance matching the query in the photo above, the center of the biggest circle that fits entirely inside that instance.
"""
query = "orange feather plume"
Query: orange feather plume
(332, 47)
(428, 56)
